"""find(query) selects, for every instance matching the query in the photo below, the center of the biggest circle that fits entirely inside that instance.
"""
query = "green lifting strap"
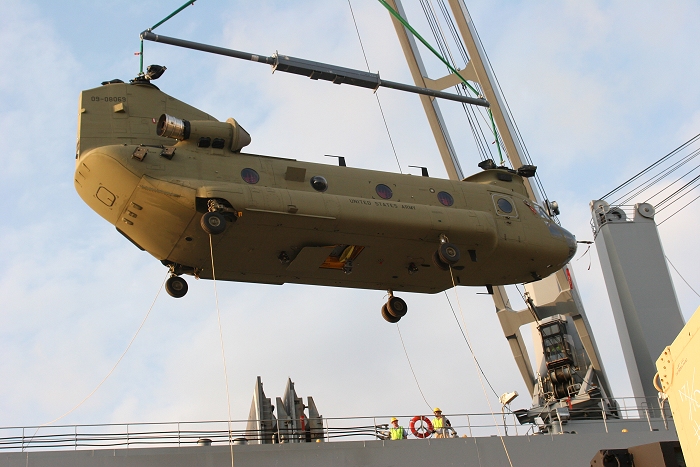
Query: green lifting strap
(185, 5)
(396, 15)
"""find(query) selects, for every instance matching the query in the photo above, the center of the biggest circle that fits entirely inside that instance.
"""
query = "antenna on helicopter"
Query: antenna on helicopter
(423, 170)
(341, 159)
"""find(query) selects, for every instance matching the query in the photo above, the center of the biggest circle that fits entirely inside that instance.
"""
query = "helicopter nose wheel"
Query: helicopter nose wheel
(176, 286)
(394, 309)
(446, 255)
(213, 223)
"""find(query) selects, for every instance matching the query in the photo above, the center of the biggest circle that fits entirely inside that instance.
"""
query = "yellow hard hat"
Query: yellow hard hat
(437, 409)
(394, 419)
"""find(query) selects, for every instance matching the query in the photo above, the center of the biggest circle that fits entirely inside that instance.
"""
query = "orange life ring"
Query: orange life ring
(426, 427)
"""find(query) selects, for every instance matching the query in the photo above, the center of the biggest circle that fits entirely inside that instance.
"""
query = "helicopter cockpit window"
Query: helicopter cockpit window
(250, 176)
(384, 191)
(319, 183)
(541, 211)
(445, 198)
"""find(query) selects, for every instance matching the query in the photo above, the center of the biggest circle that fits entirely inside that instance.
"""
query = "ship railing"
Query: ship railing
(645, 414)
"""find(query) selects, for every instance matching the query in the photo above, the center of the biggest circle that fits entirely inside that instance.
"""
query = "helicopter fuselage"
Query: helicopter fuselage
(299, 222)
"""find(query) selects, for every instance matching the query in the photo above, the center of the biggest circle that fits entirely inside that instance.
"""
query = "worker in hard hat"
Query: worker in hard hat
(442, 426)
(396, 431)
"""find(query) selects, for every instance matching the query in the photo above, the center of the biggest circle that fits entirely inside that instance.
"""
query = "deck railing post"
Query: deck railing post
(605, 422)
(646, 411)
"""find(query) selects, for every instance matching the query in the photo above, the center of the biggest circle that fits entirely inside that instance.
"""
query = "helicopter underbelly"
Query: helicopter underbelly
(270, 244)
(248, 254)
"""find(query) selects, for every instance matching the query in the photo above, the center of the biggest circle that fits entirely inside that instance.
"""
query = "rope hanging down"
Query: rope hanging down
(223, 351)
(476, 366)
(411, 367)
(113, 367)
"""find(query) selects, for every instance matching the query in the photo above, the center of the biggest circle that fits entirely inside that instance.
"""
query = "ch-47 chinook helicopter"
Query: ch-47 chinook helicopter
(172, 178)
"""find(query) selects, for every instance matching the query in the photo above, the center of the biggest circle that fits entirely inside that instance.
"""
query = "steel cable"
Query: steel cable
(381, 110)
(113, 368)
(476, 364)
(641, 188)
(655, 164)
(223, 352)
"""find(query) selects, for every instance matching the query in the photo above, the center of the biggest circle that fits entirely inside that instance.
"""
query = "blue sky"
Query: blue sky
(598, 89)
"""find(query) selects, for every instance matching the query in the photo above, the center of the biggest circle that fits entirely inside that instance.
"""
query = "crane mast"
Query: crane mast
(553, 300)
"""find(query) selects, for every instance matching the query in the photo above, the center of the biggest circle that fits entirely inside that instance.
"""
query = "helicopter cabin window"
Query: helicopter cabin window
(504, 205)
(384, 191)
(204, 142)
(445, 198)
(319, 183)
(250, 176)
(218, 143)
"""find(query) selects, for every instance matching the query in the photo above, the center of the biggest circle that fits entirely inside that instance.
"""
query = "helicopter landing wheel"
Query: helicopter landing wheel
(387, 316)
(443, 266)
(213, 223)
(176, 287)
(448, 253)
(396, 307)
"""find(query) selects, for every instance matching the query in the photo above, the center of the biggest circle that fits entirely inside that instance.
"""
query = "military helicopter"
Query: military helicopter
(175, 182)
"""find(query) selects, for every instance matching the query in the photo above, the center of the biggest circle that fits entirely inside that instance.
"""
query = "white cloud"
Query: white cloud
(590, 100)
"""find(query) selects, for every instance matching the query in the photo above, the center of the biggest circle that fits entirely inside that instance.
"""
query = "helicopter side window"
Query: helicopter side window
(445, 198)
(250, 176)
(504, 205)
(384, 191)
(319, 183)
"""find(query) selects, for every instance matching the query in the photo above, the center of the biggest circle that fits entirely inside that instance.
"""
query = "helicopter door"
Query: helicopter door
(507, 218)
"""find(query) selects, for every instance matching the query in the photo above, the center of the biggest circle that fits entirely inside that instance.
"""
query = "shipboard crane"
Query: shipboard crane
(553, 299)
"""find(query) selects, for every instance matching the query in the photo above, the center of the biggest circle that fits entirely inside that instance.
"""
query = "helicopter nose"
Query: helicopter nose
(570, 242)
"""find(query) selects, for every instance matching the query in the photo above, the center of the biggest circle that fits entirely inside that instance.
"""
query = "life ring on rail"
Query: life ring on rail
(425, 427)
